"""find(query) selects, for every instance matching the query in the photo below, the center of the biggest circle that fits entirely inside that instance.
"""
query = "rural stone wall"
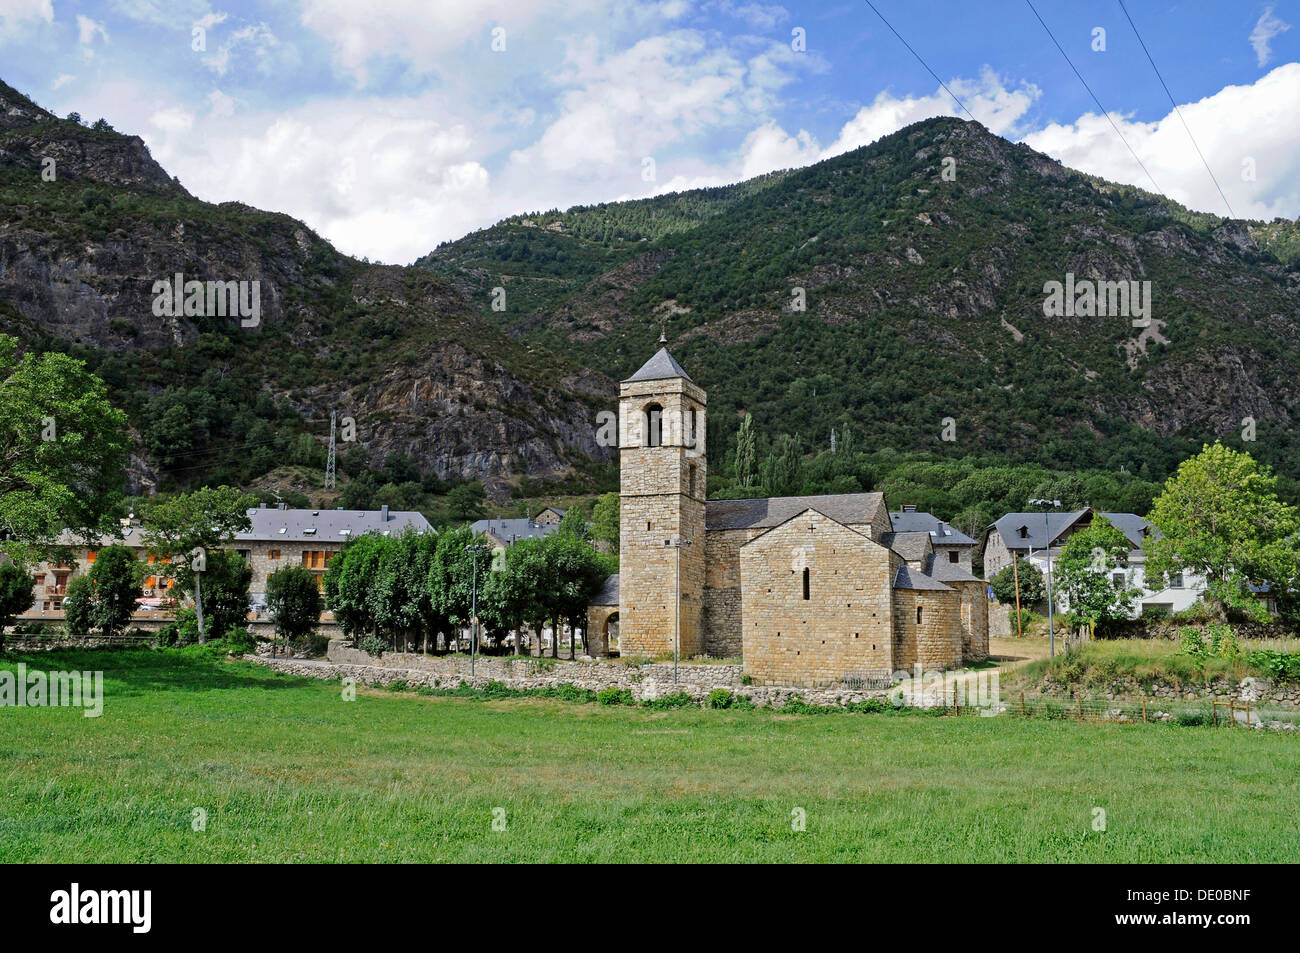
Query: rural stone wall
(1253, 689)
(842, 627)
(644, 682)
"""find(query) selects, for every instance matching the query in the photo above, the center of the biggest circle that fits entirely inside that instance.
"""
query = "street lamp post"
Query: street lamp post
(677, 542)
(474, 549)
(1047, 542)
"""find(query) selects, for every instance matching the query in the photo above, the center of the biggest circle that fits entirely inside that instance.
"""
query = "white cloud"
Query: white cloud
(759, 16)
(16, 16)
(209, 21)
(62, 80)
(88, 29)
(769, 147)
(1266, 28)
(1236, 128)
(221, 105)
(166, 13)
(257, 39)
(421, 33)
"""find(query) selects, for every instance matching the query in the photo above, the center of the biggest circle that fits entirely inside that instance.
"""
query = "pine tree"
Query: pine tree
(745, 452)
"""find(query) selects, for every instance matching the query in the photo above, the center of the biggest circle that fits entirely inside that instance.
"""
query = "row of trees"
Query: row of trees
(405, 590)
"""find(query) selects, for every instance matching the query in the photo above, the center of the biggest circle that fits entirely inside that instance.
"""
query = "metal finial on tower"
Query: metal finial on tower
(663, 334)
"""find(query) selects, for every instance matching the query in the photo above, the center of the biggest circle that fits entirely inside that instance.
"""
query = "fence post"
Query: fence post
(1144, 709)
(1079, 699)
(1023, 713)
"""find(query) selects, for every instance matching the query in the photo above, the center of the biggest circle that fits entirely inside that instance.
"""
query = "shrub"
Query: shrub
(1281, 666)
(869, 706)
(615, 696)
(747, 680)
(239, 641)
(398, 685)
(1025, 618)
(184, 630)
(1191, 717)
(1156, 613)
(720, 698)
(1223, 642)
(1192, 643)
(372, 645)
(313, 644)
(78, 611)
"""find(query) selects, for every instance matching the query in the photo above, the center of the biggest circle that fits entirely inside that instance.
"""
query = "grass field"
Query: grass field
(288, 771)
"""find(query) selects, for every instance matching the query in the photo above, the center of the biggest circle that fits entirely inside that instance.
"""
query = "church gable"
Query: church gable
(815, 603)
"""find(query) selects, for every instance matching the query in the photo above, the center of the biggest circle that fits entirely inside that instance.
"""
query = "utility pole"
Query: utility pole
(677, 542)
(330, 476)
(1047, 542)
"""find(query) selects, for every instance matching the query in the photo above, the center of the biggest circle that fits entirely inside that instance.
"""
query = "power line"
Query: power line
(921, 61)
(1094, 98)
(1176, 109)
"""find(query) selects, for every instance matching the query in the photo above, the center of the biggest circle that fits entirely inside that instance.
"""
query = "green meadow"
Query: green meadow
(275, 769)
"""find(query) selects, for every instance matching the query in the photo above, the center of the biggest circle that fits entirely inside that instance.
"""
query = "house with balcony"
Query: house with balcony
(278, 536)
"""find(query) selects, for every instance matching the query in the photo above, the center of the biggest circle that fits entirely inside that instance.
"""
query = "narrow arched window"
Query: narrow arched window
(806, 583)
(919, 610)
(654, 423)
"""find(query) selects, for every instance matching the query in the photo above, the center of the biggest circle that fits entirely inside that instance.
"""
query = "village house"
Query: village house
(278, 536)
(1039, 537)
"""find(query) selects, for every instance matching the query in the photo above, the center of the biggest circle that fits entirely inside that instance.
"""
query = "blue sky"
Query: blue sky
(392, 126)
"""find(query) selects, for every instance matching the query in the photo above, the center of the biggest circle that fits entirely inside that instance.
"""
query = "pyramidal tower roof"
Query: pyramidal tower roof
(660, 367)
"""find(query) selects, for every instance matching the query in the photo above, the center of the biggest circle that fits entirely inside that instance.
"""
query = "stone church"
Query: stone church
(810, 591)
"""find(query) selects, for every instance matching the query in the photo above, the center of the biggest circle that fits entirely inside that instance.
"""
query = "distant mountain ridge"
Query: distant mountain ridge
(924, 302)
(397, 350)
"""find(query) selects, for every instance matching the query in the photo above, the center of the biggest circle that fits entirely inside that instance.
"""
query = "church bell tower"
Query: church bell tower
(662, 478)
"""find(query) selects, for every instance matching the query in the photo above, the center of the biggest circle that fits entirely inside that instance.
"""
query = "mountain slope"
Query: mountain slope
(924, 301)
(398, 350)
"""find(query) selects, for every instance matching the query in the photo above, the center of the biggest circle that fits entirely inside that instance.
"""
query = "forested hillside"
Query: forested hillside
(89, 222)
(924, 302)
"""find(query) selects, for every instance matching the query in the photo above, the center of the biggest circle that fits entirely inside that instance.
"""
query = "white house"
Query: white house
(1039, 537)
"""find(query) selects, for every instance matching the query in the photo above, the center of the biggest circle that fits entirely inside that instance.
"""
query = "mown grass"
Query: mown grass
(288, 771)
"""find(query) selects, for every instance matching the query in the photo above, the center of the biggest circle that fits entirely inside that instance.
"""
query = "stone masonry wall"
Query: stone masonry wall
(844, 625)
(652, 680)
(974, 620)
(723, 637)
(936, 642)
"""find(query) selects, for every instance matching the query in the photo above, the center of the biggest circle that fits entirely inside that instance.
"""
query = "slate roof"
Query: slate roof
(941, 533)
(513, 530)
(911, 546)
(945, 571)
(608, 595)
(851, 509)
(660, 367)
(907, 578)
(299, 526)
